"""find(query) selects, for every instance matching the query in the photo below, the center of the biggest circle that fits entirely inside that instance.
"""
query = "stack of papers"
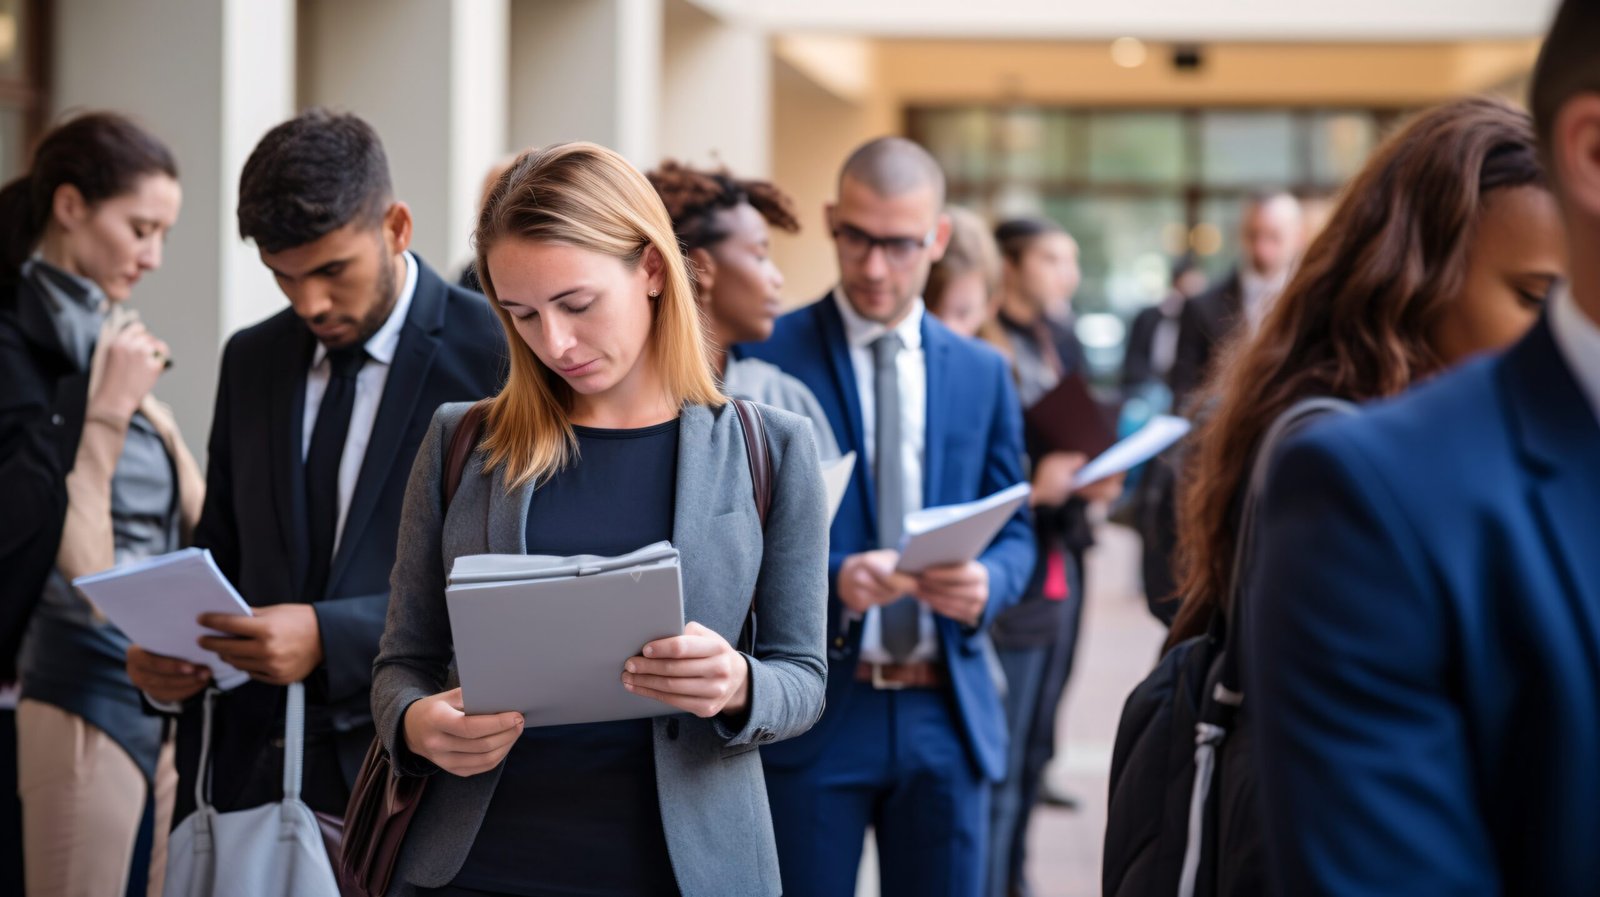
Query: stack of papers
(157, 602)
(547, 636)
(955, 534)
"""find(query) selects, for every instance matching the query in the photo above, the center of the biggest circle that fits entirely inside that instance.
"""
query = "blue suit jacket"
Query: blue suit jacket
(973, 449)
(1423, 640)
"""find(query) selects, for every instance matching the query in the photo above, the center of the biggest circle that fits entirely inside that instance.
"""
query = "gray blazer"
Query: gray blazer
(712, 794)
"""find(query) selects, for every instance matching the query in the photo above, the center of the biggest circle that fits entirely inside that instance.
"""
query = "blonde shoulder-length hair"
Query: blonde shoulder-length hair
(587, 196)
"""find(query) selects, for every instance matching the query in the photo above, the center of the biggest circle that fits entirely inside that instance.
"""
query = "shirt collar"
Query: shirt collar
(860, 332)
(381, 345)
(64, 285)
(1578, 338)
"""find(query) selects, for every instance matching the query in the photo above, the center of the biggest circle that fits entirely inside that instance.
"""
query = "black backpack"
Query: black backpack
(1182, 818)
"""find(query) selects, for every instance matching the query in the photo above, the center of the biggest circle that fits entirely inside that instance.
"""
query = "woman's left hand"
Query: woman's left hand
(698, 672)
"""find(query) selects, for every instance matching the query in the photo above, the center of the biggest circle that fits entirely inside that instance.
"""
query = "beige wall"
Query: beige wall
(716, 91)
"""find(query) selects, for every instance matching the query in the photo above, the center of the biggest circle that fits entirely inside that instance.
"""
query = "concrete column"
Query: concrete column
(209, 79)
(587, 70)
(430, 75)
(716, 91)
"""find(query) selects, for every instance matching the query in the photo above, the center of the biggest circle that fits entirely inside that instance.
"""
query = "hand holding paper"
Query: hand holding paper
(1150, 440)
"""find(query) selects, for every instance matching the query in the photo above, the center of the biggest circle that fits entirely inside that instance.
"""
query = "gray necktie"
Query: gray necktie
(899, 619)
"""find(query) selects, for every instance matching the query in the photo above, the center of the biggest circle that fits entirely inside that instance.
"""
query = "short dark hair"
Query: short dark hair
(1016, 236)
(1568, 65)
(310, 176)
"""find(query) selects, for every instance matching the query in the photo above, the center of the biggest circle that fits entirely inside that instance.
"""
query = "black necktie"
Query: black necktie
(322, 464)
(899, 620)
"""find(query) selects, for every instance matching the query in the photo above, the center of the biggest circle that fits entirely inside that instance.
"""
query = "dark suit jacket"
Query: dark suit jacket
(43, 397)
(1207, 321)
(973, 449)
(1423, 659)
(451, 349)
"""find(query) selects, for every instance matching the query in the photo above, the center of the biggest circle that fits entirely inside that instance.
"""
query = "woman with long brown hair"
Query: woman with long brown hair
(1446, 245)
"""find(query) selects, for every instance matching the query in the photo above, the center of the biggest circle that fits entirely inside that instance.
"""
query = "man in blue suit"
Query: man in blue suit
(1424, 653)
(914, 730)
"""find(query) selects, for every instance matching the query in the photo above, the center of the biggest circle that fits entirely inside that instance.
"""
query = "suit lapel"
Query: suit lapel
(830, 328)
(691, 511)
(402, 389)
(285, 434)
(935, 351)
(1560, 439)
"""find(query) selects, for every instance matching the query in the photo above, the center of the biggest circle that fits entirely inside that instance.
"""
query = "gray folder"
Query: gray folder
(547, 636)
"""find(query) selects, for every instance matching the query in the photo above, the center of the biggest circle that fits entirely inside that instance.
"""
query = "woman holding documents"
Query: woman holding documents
(722, 224)
(97, 476)
(610, 436)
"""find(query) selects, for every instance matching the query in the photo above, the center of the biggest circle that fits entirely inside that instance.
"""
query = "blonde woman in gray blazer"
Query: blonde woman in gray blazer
(610, 431)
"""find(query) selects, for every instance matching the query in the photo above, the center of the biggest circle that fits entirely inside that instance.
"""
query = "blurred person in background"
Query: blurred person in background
(1153, 337)
(1037, 640)
(468, 278)
(98, 476)
(722, 223)
(963, 285)
(1448, 244)
(1271, 237)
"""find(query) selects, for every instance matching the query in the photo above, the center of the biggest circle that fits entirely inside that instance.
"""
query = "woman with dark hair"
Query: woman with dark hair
(1446, 245)
(1037, 639)
(722, 224)
(98, 476)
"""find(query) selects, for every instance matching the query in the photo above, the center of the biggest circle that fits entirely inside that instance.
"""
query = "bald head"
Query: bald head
(893, 167)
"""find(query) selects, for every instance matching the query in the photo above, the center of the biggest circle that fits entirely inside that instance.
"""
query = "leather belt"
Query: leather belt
(895, 676)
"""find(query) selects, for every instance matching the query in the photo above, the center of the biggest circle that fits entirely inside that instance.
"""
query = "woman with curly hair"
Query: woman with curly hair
(723, 224)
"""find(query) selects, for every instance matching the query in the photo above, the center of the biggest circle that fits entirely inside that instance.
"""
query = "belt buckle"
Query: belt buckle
(882, 684)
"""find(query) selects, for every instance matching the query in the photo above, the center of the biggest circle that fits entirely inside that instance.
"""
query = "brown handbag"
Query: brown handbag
(382, 801)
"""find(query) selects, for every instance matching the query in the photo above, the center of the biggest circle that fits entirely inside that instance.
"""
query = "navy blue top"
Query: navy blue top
(576, 812)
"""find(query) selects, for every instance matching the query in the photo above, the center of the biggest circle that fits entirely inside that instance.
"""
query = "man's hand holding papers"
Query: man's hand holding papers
(279, 644)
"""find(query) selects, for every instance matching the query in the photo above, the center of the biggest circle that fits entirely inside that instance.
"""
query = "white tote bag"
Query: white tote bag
(274, 850)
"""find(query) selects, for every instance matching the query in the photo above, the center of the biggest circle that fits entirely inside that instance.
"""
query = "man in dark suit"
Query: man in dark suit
(1271, 236)
(914, 730)
(320, 410)
(1152, 346)
(1424, 657)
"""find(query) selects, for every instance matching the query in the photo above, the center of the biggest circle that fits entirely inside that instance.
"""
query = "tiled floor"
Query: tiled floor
(1117, 648)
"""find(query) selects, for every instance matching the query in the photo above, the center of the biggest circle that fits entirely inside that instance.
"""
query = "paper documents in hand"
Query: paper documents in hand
(955, 534)
(156, 604)
(836, 480)
(547, 636)
(1148, 441)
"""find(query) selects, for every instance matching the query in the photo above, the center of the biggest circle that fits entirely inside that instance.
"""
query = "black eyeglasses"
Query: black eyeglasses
(900, 252)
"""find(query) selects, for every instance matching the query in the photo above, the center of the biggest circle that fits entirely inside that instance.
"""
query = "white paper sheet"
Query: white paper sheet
(1148, 441)
(156, 603)
(836, 480)
(955, 534)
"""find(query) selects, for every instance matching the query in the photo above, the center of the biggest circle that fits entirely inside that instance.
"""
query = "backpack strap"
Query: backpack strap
(463, 442)
(758, 453)
(1230, 690)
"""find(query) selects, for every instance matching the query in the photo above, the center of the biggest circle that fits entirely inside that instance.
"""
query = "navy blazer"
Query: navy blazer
(1423, 640)
(973, 449)
(451, 349)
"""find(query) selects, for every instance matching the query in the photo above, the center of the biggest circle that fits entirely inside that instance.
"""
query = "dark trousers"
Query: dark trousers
(1024, 669)
(322, 786)
(896, 762)
(1041, 740)
(11, 881)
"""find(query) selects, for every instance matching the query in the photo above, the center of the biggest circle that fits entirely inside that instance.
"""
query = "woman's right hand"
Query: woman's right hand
(439, 728)
(1053, 477)
(134, 360)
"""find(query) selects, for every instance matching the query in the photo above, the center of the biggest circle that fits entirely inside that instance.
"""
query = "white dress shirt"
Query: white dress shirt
(912, 370)
(1578, 337)
(369, 393)
(1257, 294)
